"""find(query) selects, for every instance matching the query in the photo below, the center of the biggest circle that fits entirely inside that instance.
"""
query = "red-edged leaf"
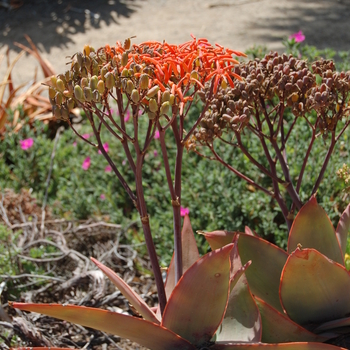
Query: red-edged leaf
(314, 289)
(282, 346)
(332, 325)
(41, 348)
(343, 229)
(134, 299)
(218, 239)
(265, 271)
(190, 255)
(313, 229)
(145, 333)
(249, 231)
(242, 318)
(196, 307)
(278, 328)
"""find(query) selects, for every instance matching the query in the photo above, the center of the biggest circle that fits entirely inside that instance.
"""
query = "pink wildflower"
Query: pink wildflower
(184, 211)
(156, 134)
(127, 116)
(26, 144)
(75, 144)
(103, 197)
(155, 153)
(108, 169)
(85, 136)
(86, 163)
(298, 37)
(105, 147)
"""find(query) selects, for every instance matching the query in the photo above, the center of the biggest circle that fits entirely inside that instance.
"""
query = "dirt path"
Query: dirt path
(61, 27)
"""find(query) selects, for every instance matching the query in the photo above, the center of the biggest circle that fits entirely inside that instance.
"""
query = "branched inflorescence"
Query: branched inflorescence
(258, 104)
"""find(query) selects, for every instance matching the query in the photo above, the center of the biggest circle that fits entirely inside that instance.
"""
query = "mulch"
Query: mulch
(65, 275)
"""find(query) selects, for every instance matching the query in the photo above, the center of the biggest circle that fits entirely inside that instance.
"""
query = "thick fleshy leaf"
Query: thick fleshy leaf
(196, 307)
(331, 325)
(280, 346)
(242, 318)
(190, 255)
(218, 239)
(41, 348)
(135, 300)
(265, 271)
(313, 229)
(343, 229)
(145, 333)
(249, 231)
(314, 289)
(278, 328)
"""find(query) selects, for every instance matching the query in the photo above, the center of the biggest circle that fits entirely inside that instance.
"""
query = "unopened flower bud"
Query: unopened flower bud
(125, 58)
(135, 96)
(84, 82)
(93, 82)
(151, 115)
(129, 86)
(166, 96)
(164, 107)
(153, 106)
(52, 92)
(223, 84)
(58, 98)
(127, 43)
(194, 75)
(78, 93)
(151, 92)
(101, 87)
(70, 104)
(80, 58)
(125, 73)
(96, 96)
(144, 81)
(86, 50)
(57, 112)
(109, 80)
(53, 80)
(172, 99)
(64, 114)
(88, 94)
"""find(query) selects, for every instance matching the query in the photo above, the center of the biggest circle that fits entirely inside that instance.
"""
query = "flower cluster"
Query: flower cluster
(154, 76)
(281, 77)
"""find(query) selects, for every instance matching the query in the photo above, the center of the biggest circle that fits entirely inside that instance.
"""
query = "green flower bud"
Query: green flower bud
(52, 92)
(153, 106)
(80, 58)
(125, 73)
(88, 94)
(166, 96)
(84, 72)
(78, 93)
(172, 99)
(101, 87)
(151, 115)
(64, 114)
(125, 58)
(93, 82)
(53, 80)
(164, 107)
(75, 66)
(151, 92)
(129, 86)
(84, 82)
(96, 96)
(58, 99)
(109, 80)
(70, 104)
(144, 81)
(135, 96)
(194, 74)
(57, 112)
(104, 71)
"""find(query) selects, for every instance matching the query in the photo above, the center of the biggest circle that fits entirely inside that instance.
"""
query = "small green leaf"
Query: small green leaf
(196, 307)
(314, 289)
(265, 271)
(313, 229)
(343, 229)
(278, 328)
(145, 333)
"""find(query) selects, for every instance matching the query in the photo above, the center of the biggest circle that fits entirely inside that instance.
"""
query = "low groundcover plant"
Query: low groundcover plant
(205, 301)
